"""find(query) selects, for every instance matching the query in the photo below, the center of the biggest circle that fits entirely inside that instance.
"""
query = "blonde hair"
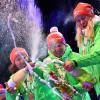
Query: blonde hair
(89, 33)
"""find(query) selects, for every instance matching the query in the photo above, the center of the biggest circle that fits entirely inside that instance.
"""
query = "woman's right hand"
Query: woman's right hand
(12, 90)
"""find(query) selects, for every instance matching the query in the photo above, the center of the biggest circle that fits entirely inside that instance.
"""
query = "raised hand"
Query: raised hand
(68, 65)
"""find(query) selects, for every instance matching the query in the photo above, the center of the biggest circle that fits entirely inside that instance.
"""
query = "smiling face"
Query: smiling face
(19, 62)
(82, 21)
(57, 48)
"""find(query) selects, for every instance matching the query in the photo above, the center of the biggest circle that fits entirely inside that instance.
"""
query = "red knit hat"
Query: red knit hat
(83, 9)
(54, 35)
(14, 53)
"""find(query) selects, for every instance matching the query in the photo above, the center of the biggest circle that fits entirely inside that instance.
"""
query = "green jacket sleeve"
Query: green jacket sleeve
(11, 96)
(94, 56)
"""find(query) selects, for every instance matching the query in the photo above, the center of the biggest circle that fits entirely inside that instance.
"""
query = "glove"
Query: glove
(87, 85)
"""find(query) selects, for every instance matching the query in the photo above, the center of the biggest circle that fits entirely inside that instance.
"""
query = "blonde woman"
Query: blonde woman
(88, 41)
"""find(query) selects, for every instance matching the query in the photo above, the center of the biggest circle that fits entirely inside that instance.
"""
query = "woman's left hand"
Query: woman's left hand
(68, 65)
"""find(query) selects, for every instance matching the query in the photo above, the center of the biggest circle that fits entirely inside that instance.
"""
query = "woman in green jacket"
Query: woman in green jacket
(23, 89)
(28, 87)
(59, 52)
(88, 41)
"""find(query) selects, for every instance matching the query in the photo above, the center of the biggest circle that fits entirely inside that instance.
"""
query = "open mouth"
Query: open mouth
(84, 26)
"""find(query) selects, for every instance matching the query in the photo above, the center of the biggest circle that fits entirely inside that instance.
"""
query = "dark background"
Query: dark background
(55, 13)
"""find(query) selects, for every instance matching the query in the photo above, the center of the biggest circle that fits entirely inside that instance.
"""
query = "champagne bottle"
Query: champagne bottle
(61, 85)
